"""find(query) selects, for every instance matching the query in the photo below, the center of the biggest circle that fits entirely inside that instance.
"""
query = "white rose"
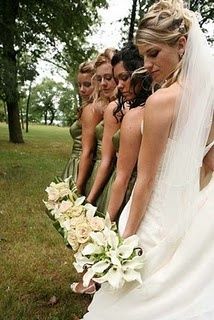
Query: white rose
(97, 223)
(55, 212)
(78, 220)
(63, 189)
(50, 205)
(65, 206)
(76, 211)
(65, 224)
(72, 240)
(57, 191)
(83, 232)
(53, 194)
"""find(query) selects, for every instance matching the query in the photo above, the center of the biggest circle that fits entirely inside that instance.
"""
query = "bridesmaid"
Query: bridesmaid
(106, 93)
(113, 117)
(84, 79)
(134, 92)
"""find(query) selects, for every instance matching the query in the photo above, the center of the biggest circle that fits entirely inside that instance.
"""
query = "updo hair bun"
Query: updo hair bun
(130, 57)
(165, 21)
(87, 67)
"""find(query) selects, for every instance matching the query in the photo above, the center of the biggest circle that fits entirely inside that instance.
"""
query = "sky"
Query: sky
(107, 35)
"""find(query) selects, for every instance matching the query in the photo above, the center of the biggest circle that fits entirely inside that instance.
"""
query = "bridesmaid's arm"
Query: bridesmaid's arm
(107, 154)
(130, 139)
(89, 120)
(157, 122)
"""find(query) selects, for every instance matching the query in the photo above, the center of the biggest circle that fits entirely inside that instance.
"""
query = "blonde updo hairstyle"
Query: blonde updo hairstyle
(89, 68)
(86, 67)
(165, 22)
(102, 58)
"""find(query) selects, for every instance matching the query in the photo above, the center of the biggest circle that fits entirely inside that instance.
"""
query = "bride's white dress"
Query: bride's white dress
(178, 278)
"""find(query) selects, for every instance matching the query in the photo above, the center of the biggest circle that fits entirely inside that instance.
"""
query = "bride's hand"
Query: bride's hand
(127, 234)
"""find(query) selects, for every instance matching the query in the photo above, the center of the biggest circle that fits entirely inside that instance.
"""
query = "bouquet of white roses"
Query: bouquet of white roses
(110, 258)
(74, 218)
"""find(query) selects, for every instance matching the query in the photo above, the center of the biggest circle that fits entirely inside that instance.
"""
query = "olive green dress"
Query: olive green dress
(102, 200)
(97, 157)
(72, 165)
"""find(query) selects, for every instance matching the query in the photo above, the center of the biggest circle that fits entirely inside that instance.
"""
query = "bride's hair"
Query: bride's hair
(165, 22)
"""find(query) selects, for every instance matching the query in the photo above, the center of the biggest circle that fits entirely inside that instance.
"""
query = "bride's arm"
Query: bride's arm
(209, 160)
(157, 123)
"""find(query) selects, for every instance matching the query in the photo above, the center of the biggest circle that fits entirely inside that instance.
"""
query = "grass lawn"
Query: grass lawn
(35, 265)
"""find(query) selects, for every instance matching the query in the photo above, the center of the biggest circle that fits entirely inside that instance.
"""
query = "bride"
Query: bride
(172, 217)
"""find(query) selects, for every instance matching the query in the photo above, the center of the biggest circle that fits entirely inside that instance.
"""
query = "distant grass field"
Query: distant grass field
(35, 265)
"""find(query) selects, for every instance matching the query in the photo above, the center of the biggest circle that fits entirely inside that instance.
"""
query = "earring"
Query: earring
(181, 54)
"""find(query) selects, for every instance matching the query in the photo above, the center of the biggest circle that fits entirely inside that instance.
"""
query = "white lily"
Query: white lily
(87, 277)
(132, 275)
(79, 201)
(132, 241)
(111, 237)
(98, 267)
(90, 210)
(101, 266)
(108, 222)
(81, 262)
(124, 251)
(98, 238)
(78, 267)
(112, 254)
(114, 276)
(91, 249)
(135, 263)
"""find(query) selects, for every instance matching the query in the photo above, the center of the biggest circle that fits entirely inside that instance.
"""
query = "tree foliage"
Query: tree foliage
(29, 29)
(51, 103)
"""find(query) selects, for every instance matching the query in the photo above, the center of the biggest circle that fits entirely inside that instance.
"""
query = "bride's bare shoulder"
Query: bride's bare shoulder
(161, 104)
(164, 97)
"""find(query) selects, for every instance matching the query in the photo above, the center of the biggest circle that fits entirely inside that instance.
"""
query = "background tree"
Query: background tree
(36, 27)
(45, 99)
(139, 7)
(68, 106)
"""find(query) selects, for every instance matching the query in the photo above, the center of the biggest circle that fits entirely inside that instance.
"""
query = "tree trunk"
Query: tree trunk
(28, 106)
(22, 119)
(132, 22)
(52, 117)
(5, 112)
(9, 15)
(46, 117)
